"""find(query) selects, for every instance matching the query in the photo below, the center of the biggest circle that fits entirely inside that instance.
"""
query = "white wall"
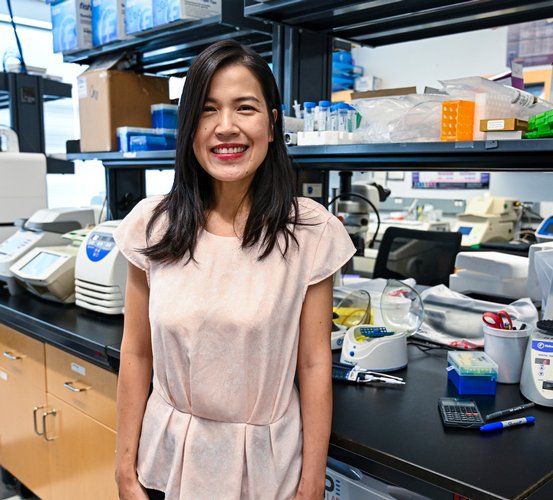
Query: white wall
(425, 62)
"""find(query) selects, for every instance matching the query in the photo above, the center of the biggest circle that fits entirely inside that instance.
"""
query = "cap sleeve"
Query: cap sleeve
(334, 249)
(130, 236)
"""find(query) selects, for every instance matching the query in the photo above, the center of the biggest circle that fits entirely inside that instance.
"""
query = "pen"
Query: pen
(507, 423)
(508, 411)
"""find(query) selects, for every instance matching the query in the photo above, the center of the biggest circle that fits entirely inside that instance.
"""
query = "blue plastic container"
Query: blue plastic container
(164, 115)
(131, 139)
(472, 372)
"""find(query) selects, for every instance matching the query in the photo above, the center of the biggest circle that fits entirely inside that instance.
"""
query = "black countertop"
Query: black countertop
(93, 336)
(394, 433)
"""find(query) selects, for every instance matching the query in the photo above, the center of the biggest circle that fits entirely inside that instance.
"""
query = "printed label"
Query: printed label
(496, 124)
(81, 87)
(81, 370)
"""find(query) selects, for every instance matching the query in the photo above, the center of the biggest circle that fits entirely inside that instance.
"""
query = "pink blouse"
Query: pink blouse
(223, 420)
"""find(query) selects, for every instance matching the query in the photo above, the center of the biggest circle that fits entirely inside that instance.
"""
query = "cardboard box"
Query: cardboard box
(170, 11)
(138, 16)
(108, 21)
(384, 92)
(109, 98)
(501, 124)
(71, 25)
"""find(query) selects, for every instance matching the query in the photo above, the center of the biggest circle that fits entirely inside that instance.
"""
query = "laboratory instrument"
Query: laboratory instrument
(23, 186)
(490, 273)
(494, 426)
(101, 271)
(544, 233)
(49, 272)
(353, 309)
(460, 413)
(536, 381)
(384, 348)
(44, 228)
(358, 375)
(488, 218)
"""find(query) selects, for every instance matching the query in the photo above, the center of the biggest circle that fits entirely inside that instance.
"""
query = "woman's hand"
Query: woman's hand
(310, 490)
(132, 490)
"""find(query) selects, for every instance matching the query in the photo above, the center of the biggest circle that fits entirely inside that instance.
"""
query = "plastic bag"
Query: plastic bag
(408, 118)
(454, 319)
(523, 105)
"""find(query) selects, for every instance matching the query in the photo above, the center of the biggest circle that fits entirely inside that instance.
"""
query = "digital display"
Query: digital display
(38, 264)
(464, 230)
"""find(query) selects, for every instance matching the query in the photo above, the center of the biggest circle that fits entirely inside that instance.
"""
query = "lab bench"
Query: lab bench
(392, 433)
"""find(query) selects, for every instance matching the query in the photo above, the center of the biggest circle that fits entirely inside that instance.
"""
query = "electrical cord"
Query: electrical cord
(343, 195)
(21, 58)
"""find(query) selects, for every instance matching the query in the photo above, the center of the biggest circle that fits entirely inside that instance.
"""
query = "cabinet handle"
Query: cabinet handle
(35, 425)
(13, 356)
(71, 386)
(45, 430)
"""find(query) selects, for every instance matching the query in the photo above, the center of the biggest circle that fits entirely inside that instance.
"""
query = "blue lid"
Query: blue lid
(324, 103)
(309, 104)
(342, 105)
(283, 107)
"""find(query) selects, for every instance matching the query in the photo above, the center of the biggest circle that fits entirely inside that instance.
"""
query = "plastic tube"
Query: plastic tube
(308, 116)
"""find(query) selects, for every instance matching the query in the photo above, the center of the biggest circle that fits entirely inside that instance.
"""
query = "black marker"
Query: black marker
(509, 411)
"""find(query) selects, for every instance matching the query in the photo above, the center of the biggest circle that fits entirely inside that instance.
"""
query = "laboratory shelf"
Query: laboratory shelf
(170, 49)
(527, 155)
(383, 22)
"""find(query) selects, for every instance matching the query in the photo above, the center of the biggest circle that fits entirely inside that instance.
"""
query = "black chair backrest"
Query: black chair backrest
(426, 256)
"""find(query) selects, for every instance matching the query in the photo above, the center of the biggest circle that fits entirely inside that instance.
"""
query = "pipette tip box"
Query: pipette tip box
(472, 372)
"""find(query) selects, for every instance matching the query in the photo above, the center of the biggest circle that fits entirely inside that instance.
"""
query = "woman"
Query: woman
(229, 292)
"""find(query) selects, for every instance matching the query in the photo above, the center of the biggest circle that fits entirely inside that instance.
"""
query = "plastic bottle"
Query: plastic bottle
(283, 113)
(308, 116)
(343, 113)
(323, 117)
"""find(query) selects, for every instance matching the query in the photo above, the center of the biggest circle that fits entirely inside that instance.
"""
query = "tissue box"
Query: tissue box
(71, 25)
(169, 11)
(138, 16)
(164, 115)
(145, 139)
(472, 372)
(108, 21)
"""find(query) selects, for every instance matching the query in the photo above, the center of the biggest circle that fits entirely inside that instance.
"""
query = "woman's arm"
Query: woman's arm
(133, 386)
(315, 380)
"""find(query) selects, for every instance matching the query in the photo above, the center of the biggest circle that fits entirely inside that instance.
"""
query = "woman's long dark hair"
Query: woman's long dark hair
(274, 209)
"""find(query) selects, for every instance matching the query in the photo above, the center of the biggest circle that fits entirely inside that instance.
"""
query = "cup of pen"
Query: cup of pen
(505, 342)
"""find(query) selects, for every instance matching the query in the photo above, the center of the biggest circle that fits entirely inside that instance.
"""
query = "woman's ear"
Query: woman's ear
(271, 131)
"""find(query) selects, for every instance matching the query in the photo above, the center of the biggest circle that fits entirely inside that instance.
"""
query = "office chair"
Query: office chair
(426, 256)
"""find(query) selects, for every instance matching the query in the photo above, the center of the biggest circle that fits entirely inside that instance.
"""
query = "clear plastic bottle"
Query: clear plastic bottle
(323, 116)
(333, 118)
(343, 117)
(308, 116)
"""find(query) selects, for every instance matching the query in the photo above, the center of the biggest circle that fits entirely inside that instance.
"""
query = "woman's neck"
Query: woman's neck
(229, 211)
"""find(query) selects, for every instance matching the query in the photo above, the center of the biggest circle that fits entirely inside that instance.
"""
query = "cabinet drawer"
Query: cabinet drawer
(22, 357)
(83, 385)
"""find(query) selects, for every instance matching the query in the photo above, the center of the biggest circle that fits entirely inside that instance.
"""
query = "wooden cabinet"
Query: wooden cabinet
(57, 424)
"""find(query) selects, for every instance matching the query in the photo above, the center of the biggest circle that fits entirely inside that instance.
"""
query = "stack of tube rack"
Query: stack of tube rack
(540, 125)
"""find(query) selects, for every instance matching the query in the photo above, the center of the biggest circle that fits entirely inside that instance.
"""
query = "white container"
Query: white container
(507, 348)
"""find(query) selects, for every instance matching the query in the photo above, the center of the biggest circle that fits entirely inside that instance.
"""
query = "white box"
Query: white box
(108, 21)
(71, 25)
(138, 16)
(327, 137)
(169, 11)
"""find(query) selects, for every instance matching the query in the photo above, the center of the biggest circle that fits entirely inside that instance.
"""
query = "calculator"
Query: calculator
(460, 413)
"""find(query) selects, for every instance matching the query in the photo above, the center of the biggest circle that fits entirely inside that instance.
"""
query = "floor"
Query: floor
(12, 489)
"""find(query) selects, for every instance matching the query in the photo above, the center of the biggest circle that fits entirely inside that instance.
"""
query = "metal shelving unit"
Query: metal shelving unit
(170, 49)
(383, 22)
(24, 96)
